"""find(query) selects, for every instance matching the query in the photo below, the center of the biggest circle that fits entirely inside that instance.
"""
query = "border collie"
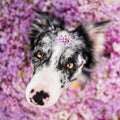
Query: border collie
(60, 56)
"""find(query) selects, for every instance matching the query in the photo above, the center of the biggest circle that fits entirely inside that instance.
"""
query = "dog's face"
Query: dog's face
(60, 56)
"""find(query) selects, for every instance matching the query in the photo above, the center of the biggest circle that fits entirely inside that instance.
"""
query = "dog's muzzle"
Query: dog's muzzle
(44, 90)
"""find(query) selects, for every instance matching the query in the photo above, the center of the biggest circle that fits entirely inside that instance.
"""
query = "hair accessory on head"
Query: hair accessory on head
(64, 39)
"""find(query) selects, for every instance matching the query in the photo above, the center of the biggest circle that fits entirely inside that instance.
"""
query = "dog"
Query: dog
(60, 56)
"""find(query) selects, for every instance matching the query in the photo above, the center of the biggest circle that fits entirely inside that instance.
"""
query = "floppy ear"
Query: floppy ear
(43, 23)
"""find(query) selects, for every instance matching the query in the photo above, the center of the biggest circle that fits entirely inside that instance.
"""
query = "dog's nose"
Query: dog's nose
(40, 98)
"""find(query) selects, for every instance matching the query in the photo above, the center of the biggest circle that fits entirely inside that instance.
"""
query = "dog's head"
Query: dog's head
(60, 56)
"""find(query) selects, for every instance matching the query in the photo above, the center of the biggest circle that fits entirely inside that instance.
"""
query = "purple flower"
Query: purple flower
(100, 98)
(64, 39)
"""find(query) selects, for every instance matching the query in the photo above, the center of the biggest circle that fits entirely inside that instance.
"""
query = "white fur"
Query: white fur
(44, 80)
(47, 80)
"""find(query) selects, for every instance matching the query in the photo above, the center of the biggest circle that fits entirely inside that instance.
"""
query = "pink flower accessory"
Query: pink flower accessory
(64, 39)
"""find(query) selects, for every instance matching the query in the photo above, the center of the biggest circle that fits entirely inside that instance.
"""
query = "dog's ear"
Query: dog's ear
(44, 22)
(96, 33)
(93, 39)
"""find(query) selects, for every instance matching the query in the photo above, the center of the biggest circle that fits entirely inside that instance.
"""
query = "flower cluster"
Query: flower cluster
(65, 39)
(100, 100)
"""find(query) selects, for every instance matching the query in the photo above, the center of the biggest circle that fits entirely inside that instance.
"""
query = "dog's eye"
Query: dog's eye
(39, 54)
(70, 65)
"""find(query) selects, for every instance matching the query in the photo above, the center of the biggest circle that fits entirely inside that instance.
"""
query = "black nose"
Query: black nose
(39, 97)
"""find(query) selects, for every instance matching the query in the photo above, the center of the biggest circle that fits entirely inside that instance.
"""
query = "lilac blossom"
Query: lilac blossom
(100, 98)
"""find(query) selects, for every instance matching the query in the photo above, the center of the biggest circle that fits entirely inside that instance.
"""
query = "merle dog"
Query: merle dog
(61, 56)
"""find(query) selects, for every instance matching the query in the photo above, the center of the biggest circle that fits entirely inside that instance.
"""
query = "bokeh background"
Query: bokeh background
(100, 100)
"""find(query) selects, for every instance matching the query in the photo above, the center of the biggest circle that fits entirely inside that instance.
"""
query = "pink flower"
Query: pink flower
(100, 98)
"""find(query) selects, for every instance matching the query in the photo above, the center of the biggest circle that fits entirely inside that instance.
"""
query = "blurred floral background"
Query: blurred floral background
(100, 100)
